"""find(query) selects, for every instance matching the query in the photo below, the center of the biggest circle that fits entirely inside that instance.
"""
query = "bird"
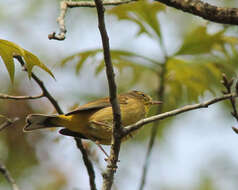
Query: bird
(94, 120)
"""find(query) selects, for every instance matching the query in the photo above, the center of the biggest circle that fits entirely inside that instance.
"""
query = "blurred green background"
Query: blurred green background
(173, 56)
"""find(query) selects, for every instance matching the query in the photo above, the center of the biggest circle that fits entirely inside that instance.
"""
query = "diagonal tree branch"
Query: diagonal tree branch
(205, 10)
(87, 162)
(108, 176)
(42, 86)
(139, 124)
(8, 176)
(64, 5)
(46, 94)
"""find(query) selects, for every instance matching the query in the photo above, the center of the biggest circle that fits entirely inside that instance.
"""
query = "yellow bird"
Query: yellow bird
(94, 120)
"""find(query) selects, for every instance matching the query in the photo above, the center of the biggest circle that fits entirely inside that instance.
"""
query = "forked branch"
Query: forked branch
(228, 84)
(46, 93)
(64, 5)
(139, 124)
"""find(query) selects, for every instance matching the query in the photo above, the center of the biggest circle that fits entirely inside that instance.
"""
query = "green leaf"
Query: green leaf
(122, 60)
(199, 42)
(189, 79)
(31, 61)
(9, 49)
(144, 13)
(81, 58)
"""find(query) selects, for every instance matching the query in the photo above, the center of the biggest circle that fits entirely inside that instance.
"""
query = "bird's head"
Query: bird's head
(147, 100)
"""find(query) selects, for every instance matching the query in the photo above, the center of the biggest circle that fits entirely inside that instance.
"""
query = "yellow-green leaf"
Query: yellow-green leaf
(32, 60)
(189, 79)
(200, 41)
(9, 49)
(144, 13)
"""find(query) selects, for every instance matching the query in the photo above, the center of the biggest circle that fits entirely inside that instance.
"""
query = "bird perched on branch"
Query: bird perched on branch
(94, 120)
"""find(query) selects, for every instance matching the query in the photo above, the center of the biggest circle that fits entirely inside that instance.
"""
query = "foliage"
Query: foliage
(9, 49)
(199, 41)
(142, 13)
(122, 60)
(192, 70)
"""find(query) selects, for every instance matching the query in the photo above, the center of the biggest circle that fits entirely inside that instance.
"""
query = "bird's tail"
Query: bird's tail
(40, 121)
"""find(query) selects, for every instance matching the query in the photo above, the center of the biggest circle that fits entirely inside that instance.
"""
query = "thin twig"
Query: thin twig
(10, 97)
(148, 155)
(228, 84)
(59, 110)
(42, 86)
(139, 124)
(160, 96)
(93, 155)
(64, 5)
(153, 134)
(87, 163)
(8, 176)
(205, 10)
(117, 129)
(8, 123)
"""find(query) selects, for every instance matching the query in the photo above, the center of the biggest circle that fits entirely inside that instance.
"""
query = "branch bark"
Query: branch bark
(6, 96)
(153, 134)
(40, 83)
(139, 124)
(8, 176)
(108, 176)
(46, 94)
(228, 84)
(205, 10)
(64, 5)
(87, 163)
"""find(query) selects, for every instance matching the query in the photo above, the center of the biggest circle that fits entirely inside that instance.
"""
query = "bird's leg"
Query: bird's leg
(101, 148)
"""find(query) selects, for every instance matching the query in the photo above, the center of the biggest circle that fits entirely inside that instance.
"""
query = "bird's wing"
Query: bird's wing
(97, 105)
(89, 108)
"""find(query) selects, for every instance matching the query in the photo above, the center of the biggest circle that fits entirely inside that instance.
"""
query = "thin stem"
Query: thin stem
(87, 163)
(160, 96)
(46, 94)
(128, 129)
(64, 5)
(8, 176)
(148, 155)
(42, 86)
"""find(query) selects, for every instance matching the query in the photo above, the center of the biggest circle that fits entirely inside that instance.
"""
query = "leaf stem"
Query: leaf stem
(8, 176)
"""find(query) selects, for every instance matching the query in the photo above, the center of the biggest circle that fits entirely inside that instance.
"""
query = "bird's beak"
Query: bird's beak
(156, 102)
